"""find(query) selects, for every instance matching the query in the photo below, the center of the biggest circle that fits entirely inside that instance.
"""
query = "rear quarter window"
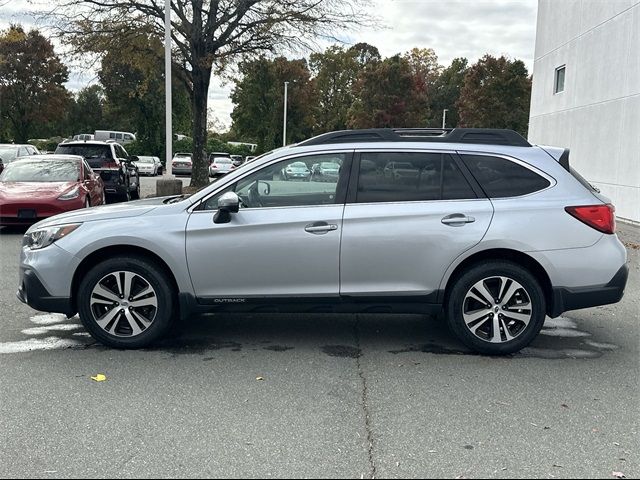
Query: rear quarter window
(502, 178)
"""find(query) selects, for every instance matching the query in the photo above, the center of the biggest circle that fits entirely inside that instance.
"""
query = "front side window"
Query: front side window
(409, 176)
(501, 178)
(287, 183)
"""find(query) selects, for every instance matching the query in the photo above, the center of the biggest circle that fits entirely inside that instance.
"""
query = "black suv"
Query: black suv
(111, 161)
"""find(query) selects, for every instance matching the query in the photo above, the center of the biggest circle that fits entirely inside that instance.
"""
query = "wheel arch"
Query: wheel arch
(519, 258)
(104, 253)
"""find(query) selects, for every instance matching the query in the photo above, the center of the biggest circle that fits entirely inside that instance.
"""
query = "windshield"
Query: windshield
(41, 171)
(330, 165)
(222, 160)
(8, 154)
(145, 160)
(182, 155)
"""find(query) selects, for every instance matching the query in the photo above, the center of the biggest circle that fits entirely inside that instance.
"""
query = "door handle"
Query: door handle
(457, 220)
(320, 228)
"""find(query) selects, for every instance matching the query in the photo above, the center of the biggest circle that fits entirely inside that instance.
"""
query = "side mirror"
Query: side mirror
(227, 204)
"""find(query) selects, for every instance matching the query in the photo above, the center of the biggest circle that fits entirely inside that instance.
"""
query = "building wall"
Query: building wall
(598, 114)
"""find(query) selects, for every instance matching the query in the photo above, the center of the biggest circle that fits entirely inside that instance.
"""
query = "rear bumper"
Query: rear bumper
(32, 292)
(565, 299)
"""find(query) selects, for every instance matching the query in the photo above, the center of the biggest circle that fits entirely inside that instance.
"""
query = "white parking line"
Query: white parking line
(49, 343)
(65, 327)
(48, 318)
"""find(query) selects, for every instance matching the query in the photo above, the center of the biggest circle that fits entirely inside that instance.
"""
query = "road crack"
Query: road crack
(364, 403)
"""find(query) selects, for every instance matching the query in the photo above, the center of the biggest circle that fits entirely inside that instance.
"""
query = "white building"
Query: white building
(586, 92)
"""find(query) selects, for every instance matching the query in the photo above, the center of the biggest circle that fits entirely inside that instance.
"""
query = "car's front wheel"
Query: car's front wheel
(496, 307)
(126, 302)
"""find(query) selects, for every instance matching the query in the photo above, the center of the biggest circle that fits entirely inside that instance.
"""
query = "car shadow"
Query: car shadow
(336, 335)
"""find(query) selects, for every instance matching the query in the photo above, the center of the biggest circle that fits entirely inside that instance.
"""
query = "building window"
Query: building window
(559, 81)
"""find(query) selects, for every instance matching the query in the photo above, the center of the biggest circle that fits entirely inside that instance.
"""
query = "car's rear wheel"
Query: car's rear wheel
(135, 194)
(126, 302)
(496, 307)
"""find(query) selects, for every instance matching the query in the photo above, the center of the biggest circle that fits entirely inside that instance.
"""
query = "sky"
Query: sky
(453, 28)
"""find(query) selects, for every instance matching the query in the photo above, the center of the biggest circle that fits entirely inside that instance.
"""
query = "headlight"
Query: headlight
(71, 194)
(43, 237)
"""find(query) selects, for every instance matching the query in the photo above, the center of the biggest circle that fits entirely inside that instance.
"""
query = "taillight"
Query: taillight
(110, 165)
(600, 217)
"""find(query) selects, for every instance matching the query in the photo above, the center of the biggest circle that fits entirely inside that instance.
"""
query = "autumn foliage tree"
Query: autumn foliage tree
(259, 101)
(32, 81)
(496, 94)
(389, 94)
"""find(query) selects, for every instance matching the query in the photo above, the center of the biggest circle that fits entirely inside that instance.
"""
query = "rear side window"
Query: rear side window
(409, 176)
(502, 178)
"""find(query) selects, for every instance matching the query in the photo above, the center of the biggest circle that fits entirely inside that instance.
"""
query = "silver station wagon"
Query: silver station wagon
(476, 222)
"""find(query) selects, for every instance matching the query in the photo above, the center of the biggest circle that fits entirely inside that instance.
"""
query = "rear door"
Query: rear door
(402, 230)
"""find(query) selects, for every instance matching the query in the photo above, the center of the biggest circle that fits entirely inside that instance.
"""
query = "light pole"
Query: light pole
(284, 124)
(167, 84)
(444, 117)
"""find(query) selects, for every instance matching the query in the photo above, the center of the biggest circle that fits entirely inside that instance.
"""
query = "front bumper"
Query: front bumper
(565, 299)
(32, 292)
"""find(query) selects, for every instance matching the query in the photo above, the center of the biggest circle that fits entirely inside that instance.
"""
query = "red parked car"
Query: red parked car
(39, 186)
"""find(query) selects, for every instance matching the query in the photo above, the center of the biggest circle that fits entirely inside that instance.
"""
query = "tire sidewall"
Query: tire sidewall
(473, 275)
(151, 273)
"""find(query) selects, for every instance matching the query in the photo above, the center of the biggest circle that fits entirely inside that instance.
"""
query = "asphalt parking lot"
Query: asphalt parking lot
(319, 396)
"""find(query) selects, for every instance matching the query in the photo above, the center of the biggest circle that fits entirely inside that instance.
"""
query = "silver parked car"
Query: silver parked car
(220, 166)
(494, 231)
(148, 165)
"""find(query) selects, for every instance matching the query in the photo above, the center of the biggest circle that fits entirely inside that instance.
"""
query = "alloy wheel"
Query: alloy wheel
(124, 304)
(497, 309)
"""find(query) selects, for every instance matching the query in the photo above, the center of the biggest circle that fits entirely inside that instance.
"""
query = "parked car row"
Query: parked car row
(81, 173)
(220, 163)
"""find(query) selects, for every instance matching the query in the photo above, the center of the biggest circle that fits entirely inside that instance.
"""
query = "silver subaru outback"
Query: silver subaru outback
(476, 222)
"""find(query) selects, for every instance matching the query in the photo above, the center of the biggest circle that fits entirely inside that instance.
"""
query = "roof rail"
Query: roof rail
(485, 136)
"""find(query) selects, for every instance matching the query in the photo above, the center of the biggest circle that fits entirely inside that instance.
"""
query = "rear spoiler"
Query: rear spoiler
(562, 159)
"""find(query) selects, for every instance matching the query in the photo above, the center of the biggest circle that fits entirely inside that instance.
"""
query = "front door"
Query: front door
(284, 241)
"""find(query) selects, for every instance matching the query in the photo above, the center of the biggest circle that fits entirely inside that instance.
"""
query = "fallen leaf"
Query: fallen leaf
(99, 377)
(259, 379)
(432, 451)
(557, 466)
(616, 444)
(564, 405)
(618, 474)
(546, 428)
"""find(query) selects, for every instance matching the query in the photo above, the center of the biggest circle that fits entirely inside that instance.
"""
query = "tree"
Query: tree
(258, 99)
(132, 89)
(496, 94)
(32, 81)
(388, 94)
(86, 111)
(446, 92)
(210, 34)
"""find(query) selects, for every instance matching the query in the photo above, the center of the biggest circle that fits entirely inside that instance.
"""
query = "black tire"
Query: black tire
(163, 314)
(135, 194)
(461, 296)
